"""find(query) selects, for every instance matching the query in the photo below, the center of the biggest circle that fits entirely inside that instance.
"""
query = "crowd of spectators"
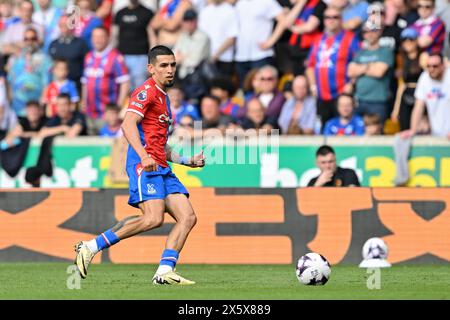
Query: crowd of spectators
(305, 67)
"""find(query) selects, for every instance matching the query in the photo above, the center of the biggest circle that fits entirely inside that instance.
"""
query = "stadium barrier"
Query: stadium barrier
(99, 163)
(235, 225)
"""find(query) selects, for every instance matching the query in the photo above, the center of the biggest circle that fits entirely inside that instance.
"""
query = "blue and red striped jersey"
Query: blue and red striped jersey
(433, 27)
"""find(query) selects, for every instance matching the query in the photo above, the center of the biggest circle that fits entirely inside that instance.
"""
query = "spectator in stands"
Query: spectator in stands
(328, 62)
(251, 85)
(166, 24)
(179, 107)
(331, 175)
(406, 16)
(223, 88)
(444, 14)
(184, 128)
(432, 92)
(60, 84)
(305, 21)
(7, 18)
(191, 50)
(287, 91)
(105, 79)
(354, 13)
(372, 124)
(87, 21)
(211, 116)
(29, 125)
(269, 95)
(219, 21)
(390, 36)
(347, 123)
(430, 27)
(256, 24)
(104, 12)
(67, 122)
(13, 40)
(411, 70)
(112, 122)
(298, 115)
(47, 16)
(28, 73)
(133, 23)
(8, 118)
(70, 48)
(371, 70)
(256, 118)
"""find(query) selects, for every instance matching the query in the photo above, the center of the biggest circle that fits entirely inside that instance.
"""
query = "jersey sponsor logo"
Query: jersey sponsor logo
(94, 72)
(142, 96)
(151, 188)
(137, 104)
(164, 118)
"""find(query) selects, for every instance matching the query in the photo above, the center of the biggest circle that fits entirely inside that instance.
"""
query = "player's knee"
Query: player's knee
(189, 220)
(152, 222)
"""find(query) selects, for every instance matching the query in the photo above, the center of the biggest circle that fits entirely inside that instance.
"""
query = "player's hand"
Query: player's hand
(148, 164)
(324, 178)
(198, 160)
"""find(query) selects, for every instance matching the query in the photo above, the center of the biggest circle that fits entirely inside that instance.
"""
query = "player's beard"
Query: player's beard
(170, 83)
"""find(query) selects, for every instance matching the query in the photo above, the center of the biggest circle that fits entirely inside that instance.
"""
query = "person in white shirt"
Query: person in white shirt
(48, 16)
(256, 20)
(219, 20)
(432, 92)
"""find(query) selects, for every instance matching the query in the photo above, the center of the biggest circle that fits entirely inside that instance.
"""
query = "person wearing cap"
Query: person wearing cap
(191, 49)
(410, 73)
(370, 71)
(390, 36)
(430, 27)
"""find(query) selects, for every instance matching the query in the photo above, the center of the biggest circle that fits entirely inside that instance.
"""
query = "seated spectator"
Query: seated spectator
(87, 20)
(191, 50)
(372, 124)
(70, 48)
(179, 106)
(166, 24)
(13, 40)
(30, 125)
(113, 122)
(268, 93)
(298, 115)
(433, 93)
(330, 174)
(251, 85)
(256, 119)
(346, 124)
(184, 128)
(67, 122)
(47, 16)
(60, 84)
(371, 69)
(223, 89)
(410, 72)
(287, 91)
(430, 27)
(28, 73)
(211, 115)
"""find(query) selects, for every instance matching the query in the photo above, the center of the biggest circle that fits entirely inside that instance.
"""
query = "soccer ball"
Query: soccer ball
(375, 248)
(313, 269)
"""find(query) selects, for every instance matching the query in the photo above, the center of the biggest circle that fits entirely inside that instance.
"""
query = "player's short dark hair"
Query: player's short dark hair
(212, 97)
(64, 96)
(159, 51)
(324, 150)
(32, 103)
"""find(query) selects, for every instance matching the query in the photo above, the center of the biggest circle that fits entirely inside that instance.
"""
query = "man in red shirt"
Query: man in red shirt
(153, 187)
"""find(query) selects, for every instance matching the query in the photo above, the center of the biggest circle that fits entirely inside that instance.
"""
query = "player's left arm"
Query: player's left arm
(196, 161)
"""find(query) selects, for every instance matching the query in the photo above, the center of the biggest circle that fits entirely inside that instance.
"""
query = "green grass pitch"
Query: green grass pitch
(258, 282)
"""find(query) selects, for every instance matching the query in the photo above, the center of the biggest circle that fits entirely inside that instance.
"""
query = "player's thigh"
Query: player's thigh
(153, 211)
(180, 208)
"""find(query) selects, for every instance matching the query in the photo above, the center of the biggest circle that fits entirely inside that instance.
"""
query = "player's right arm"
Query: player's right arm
(131, 133)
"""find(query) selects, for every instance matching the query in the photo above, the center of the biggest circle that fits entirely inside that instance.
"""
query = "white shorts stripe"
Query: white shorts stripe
(140, 188)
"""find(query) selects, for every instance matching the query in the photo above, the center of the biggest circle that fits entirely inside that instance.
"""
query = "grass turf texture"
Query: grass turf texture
(108, 281)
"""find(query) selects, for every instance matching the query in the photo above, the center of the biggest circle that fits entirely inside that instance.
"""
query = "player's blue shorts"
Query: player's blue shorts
(152, 185)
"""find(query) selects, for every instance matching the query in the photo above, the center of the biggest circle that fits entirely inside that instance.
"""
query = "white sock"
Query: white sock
(163, 269)
(92, 245)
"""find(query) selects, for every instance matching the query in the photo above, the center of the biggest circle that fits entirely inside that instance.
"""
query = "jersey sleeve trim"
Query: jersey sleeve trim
(135, 111)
